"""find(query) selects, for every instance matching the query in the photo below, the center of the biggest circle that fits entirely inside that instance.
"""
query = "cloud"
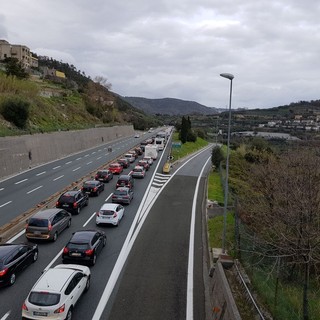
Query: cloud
(178, 49)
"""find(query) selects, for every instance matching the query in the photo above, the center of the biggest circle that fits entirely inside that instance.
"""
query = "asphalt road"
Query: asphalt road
(153, 278)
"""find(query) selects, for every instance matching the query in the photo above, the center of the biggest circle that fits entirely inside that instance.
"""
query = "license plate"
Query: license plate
(101, 179)
(37, 232)
(88, 192)
(76, 254)
(65, 205)
(39, 313)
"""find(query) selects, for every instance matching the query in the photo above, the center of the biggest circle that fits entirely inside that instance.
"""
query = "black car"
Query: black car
(125, 180)
(104, 175)
(13, 259)
(84, 246)
(124, 162)
(93, 187)
(73, 201)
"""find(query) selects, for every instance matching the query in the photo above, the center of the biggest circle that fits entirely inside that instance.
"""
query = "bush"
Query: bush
(16, 111)
(216, 156)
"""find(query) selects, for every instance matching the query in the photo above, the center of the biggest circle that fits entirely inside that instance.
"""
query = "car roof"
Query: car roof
(70, 193)
(109, 206)
(83, 236)
(103, 170)
(53, 280)
(124, 177)
(122, 189)
(91, 182)
(7, 248)
(45, 214)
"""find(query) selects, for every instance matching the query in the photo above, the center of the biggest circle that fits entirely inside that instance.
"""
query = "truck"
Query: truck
(160, 142)
(151, 150)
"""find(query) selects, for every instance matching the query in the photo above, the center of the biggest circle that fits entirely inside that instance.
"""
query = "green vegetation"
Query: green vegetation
(215, 188)
(16, 111)
(186, 148)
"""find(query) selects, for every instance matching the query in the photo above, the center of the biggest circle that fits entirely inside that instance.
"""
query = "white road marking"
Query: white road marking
(6, 315)
(21, 181)
(41, 173)
(89, 219)
(34, 189)
(99, 158)
(79, 158)
(76, 169)
(93, 152)
(1, 189)
(18, 235)
(5, 204)
(56, 167)
(99, 150)
(86, 155)
(89, 162)
(58, 178)
(68, 162)
(189, 312)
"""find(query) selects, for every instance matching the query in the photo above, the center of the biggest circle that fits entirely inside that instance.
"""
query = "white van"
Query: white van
(160, 142)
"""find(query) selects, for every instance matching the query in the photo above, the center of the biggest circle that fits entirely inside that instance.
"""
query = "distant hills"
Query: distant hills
(169, 106)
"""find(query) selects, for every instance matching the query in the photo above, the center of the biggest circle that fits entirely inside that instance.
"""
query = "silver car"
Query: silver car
(47, 224)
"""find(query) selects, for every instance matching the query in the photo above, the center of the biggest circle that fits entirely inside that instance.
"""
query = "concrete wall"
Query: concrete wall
(19, 153)
(222, 301)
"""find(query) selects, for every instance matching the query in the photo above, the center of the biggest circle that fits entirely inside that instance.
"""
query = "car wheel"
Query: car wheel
(35, 256)
(87, 202)
(69, 223)
(55, 236)
(12, 279)
(87, 284)
(104, 241)
(97, 193)
(78, 210)
(69, 314)
(94, 260)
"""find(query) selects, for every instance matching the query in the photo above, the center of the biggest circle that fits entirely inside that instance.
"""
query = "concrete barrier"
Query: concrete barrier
(19, 153)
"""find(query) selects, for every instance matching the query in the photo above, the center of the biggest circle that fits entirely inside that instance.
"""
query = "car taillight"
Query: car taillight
(98, 214)
(115, 215)
(126, 197)
(75, 205)
(82, 188)
(65, 250)
(60, 310)
(57, 204)
(3, 272)
(89, 252)
(95, 189)
(49, 226)
(97, 177)
(24, 307)
(113, 196)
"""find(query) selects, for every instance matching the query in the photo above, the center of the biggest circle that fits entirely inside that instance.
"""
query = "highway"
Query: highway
(151, 240)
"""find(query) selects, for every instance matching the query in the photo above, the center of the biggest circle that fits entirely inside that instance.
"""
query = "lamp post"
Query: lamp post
(226, 188)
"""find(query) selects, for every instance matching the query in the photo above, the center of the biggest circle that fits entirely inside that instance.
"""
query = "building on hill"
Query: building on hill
(20, 52)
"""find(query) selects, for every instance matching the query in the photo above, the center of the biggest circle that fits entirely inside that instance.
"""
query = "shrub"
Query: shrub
(16, 111)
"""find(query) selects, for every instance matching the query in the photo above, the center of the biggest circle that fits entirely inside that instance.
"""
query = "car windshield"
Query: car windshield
(89, 184)
(66, 199)
(77, 246)
(106, 212)
(120, 192)
(44, 298)
(37, 222)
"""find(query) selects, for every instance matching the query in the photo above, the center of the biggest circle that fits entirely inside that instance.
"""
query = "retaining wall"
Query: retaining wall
(22, 152)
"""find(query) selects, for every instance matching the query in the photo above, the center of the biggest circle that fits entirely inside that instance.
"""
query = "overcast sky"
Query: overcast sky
(178, 48)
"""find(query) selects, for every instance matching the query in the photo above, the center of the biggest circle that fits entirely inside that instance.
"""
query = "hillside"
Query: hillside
(169, 106)
(53, 104)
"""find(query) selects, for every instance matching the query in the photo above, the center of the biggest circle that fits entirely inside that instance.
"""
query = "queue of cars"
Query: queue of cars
(56, 292)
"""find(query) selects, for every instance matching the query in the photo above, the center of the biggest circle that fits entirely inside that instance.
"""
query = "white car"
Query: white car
(56, 292)
(110, 213)
(149, 159)
(130, 156)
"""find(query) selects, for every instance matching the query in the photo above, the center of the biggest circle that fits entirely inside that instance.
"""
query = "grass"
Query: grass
(215, 189)
(186, 148)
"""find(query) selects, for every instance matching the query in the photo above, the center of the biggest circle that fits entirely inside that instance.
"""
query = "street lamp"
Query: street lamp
(230, 77)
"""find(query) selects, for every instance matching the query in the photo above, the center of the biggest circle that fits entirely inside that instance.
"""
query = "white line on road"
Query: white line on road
(34, 189)
(86, 155)
(1, 189)
(89, 162)
(89, 219)
(53, 260)
(99, 158)
(5, 204)
(56, 167)
(68, 162)
(79, 158)
(189, 311)
(6, 315)
(76, 169)
(18, 235)
(41, 173)
(21, 181)
(93, 152)
(55, 179)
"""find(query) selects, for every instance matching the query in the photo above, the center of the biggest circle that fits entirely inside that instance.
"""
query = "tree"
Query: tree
(283, 211)
(103, 82)
(16, 111)
(184, 130)
(14, 68)
(216, 156)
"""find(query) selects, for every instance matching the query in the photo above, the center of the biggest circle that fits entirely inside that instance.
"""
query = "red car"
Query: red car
(116, 168)
(145, 164)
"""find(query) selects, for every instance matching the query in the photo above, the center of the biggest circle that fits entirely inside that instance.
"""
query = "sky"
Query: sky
(179, 48)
